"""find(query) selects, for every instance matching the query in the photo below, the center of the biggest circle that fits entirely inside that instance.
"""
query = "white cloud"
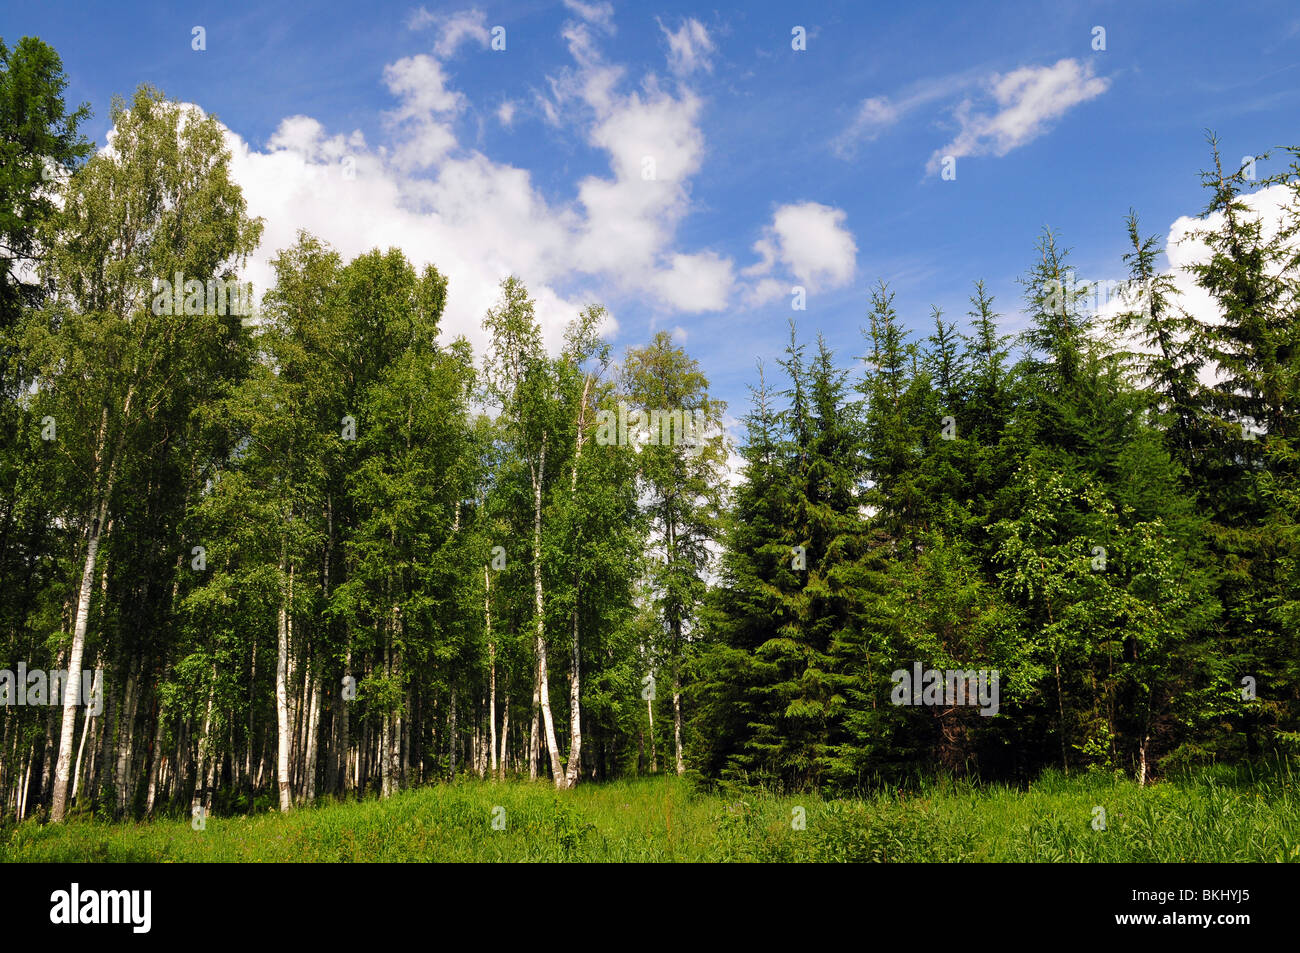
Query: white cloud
(813, 244)
(420, 18)
(1183, 248)
(873, 117)
(419, 82)
(453, 29)
(299, 134)
(767, 289)
(767, 256)
(600, 14)
(426, 111)
(689, 47)
(655, 146)
(475, 219)
(478, 220)
(699, 282)
(548, 108)
(1027, 101)
(592, 82)
(734, 428)
(877, 113)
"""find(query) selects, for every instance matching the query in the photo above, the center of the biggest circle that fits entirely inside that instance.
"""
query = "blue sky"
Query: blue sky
(772, 167)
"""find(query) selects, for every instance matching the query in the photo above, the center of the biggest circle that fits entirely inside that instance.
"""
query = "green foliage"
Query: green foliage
(243, 518)
(1092, 522)
(1212, 816)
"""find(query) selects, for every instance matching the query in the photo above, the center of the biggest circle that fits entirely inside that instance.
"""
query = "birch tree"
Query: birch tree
(683, 480)
(158, 202)
(520, 384)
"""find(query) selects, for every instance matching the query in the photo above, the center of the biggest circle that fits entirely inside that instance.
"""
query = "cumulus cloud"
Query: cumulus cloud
(357, 199)
(420, 84)
(592, 81)
(1184, 248)
(426, 110)
(306, 136)
(630, 217)
(478, 220)
(1026, 101)
(765, 290)
(689, 47)
(813, 245)
(654, 145)
(699, 282)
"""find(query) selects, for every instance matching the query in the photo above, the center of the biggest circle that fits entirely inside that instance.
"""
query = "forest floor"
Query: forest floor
(1214, 815)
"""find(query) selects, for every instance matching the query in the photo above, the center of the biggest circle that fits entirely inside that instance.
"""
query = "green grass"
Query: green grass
(1216, 815)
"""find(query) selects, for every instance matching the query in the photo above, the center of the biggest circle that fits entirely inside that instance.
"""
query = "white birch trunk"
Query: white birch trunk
(124, 739)
(505, 732)
(574, 764)
(201, 776)
(313, 730)
(58, 806)
(654, 752)
(532, 732)
(492, 668)
(155, 771)
(539, 606)
(58, 803)
(26, 782)
(677, 719)
(346, 772)
(451, 732)
(283, 734)
(85, 732)
(385, 729)
(301, 718)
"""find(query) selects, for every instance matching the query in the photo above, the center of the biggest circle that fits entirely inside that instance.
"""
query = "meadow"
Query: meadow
(1214, 815)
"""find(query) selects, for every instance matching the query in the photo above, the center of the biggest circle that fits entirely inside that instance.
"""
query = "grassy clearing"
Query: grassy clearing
(1216, 815)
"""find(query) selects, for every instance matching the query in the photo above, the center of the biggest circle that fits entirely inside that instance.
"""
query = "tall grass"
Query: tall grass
(1214, 815)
